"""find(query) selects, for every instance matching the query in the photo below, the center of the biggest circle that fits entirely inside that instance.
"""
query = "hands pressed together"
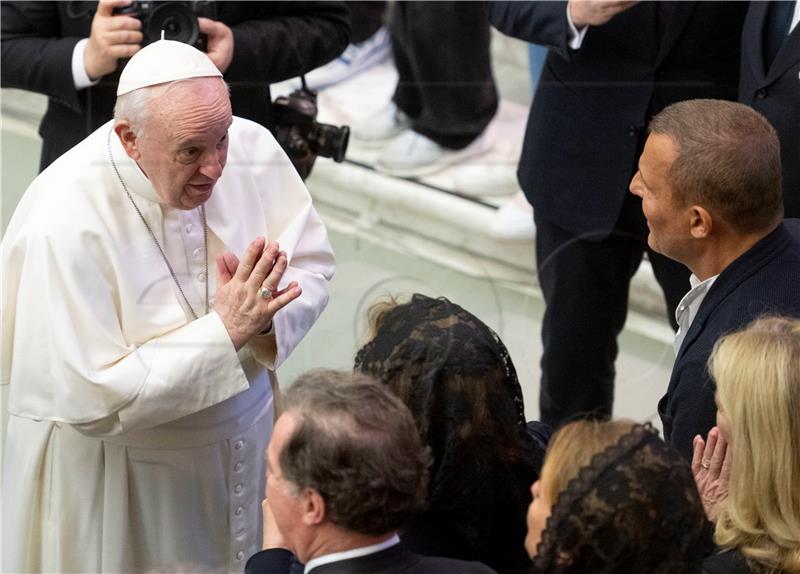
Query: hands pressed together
(711, 467)
(247, 292)
(116, 36)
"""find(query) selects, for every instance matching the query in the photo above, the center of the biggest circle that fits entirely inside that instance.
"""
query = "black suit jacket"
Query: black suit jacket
(587, 122)
(764, 280)
(729, 562)
(775, 92)
(394, 560)
(273, 41)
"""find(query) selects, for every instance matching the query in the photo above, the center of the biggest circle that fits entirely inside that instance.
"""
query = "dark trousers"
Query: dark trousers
(585, 281)
(366, 18)
(445, 85)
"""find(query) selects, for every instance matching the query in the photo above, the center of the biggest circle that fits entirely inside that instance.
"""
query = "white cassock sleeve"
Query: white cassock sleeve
(259, 173)
(72, 362)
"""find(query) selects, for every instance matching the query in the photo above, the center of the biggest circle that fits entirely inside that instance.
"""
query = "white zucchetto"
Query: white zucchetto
(165, 61)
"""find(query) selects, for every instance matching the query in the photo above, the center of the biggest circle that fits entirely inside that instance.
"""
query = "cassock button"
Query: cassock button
(238, 444)
(201, 276)
(197, 253)
(239, 511)
(239, 555)
(238, 489)
(237, 467)
(189, 228)
(761, 94)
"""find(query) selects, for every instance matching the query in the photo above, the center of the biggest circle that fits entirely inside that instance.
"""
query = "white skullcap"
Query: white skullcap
(165, 61)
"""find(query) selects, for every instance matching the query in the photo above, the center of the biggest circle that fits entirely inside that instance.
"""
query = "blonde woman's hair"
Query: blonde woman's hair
(757, 372)
(573, 447)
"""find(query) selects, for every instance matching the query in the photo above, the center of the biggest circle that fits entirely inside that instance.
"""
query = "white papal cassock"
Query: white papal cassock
(136, 434)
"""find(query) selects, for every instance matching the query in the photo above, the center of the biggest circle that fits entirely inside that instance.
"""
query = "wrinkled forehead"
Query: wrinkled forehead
(197, 105)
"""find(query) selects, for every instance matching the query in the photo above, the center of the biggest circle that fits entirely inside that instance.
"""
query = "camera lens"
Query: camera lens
(330, 141)
(176, 20)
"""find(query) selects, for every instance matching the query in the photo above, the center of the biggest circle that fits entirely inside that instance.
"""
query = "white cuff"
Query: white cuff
(575, 36)
(79, 75)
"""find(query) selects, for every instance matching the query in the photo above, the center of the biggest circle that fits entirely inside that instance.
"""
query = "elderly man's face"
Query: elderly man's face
(668, 222)
(185, 144)
(284, 501)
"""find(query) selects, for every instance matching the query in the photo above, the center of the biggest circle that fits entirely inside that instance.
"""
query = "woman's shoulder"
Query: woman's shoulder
(726, 562)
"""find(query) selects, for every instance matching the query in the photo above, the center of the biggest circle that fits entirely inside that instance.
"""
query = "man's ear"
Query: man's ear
(313, 507)
(128, 138)
(700, 222)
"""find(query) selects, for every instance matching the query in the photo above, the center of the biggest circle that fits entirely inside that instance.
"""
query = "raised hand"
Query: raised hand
(220, 42)
(596, 12)
(711, 466)
(112, 37)
(247, 291)
(272, 537)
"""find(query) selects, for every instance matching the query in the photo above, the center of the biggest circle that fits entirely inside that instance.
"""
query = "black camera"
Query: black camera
(178, 21)
(301, 136)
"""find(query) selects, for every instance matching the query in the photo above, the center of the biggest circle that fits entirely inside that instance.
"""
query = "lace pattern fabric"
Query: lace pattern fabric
(634, 508)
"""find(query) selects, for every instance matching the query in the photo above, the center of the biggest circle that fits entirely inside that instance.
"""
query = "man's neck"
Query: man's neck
(335, 540)
(724, 250)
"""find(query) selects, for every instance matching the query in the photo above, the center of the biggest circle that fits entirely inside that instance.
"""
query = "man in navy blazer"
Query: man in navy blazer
(770, 82)
(611, 67)
(710, 183)
(345, 469)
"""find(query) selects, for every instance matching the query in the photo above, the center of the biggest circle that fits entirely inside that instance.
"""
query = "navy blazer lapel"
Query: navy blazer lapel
(753, 46)
(731, 277)
(677, 22)
(787, 56)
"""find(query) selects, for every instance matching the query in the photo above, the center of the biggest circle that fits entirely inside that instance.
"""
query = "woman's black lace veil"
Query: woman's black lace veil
(634, 508)
(457, 378)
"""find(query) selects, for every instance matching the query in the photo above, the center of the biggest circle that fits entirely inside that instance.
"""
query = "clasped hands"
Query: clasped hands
(239, 303)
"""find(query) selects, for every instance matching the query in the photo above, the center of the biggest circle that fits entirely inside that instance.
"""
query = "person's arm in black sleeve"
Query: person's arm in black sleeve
(272, 561)
(292, 38)
(543, 23)
(692, 407)
(34, 57)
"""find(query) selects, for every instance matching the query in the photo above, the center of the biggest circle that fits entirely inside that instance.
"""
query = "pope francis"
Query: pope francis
(152, 280)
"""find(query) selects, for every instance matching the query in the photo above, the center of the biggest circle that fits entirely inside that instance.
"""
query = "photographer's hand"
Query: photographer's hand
(596, 12)
(112, 37)
(220, 42)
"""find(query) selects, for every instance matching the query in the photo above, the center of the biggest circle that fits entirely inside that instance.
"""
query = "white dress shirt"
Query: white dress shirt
(687, 308)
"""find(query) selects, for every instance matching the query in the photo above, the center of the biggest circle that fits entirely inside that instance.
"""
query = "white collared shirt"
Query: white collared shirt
(687, 308)
(349, 554)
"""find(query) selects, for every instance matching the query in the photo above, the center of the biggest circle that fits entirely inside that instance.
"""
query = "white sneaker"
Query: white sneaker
(355, 59)
(514, 220)
(486, 179)
(379, 128)
(412, 155)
